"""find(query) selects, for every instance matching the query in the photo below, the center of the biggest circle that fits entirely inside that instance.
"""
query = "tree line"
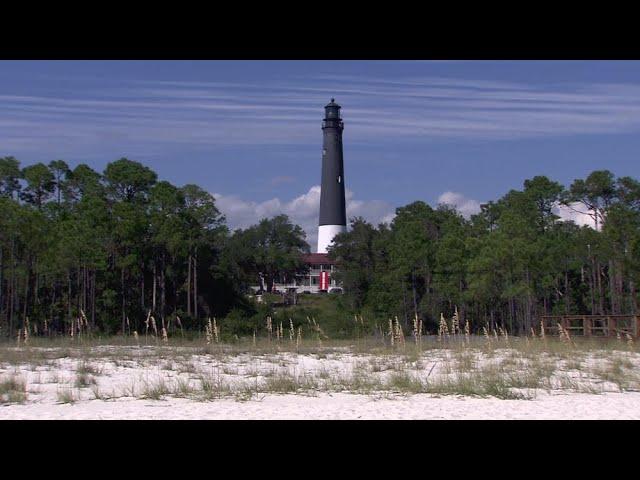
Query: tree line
(114, 247)
(117, 246)
(505, 266)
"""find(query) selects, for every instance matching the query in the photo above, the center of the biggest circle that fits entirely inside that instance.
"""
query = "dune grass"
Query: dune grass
(486, 366)
(13, 389)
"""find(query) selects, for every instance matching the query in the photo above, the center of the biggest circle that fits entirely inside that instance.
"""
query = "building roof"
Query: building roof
(317, 259)
(332, 104)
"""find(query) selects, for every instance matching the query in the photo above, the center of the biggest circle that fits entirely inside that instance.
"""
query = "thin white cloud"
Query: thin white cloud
(302, 210)
(282, 179)
(155, 114)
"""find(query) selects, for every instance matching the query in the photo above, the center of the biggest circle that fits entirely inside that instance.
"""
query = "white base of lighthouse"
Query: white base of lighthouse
(326, 234)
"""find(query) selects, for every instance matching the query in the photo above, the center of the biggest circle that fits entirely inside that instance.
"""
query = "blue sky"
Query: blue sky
(249, 131)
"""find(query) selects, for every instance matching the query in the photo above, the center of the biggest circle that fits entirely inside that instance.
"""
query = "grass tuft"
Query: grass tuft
(66, 395)
(13, 390)
(155, 390)
(84, 380)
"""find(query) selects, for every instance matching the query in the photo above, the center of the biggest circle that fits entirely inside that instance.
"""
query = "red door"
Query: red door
(324, 280)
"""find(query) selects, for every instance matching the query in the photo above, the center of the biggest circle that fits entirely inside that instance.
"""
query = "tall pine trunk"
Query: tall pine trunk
(634, 297)
(124, 301)
(26, 290)
(593, 284)
(69, 293)
(415, 301)
(163, 297)
(153, 294)
(600, 289)
(195, 285)
(567, 294)
(189, 287)
(1, 280)
(612, 289)
(93, 299)
(10, 287)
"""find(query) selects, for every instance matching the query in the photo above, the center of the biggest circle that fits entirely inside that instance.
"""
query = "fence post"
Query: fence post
(612, 325)
(586, 326)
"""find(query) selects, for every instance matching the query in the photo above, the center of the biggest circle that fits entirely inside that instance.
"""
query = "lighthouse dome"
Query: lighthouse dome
(332, 110)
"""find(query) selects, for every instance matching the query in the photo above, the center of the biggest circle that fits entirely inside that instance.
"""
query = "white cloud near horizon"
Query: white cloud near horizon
(466, 206)
(302, 210)
(575, 212)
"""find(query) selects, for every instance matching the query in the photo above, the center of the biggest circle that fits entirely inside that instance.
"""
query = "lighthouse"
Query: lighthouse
(333, 215)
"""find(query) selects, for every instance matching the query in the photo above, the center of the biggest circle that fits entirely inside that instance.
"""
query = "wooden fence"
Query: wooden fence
(593, 325)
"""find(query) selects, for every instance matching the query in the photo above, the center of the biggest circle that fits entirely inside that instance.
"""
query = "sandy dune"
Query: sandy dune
(343, 406)
(120, 381)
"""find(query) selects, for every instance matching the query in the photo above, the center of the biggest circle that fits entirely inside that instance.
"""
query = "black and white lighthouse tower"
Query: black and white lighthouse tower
(333, 215)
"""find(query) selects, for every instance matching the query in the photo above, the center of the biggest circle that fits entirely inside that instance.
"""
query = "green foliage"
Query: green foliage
(128, 180)
(40, 184)
(110, 247)
(116, 247)
(9, 176)
(328, 311)
(271, 250)
(356, 252)
(510, 263)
